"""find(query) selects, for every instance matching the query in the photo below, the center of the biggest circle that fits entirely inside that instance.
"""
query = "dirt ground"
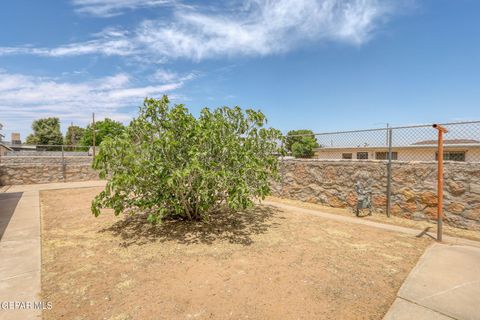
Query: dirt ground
(262, 264)
(381, 217)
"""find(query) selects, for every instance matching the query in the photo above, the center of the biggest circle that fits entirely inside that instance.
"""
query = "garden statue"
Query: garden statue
(364, 199)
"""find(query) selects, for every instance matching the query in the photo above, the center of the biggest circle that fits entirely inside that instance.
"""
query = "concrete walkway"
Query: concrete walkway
(355, 220)
(445, 284)
(20, 249)
(20, 255)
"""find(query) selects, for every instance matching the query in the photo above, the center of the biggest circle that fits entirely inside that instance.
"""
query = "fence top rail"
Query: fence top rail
(383, 129)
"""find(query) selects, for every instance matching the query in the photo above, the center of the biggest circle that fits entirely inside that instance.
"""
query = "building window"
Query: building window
(347, 156)
(384, 155)
(362, 155)
(452, 156)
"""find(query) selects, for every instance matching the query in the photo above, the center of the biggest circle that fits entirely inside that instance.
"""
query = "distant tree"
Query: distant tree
(105, 128)
(46, 131)
(1, 135)
(304, 149)
(301, 143)
(74, 135)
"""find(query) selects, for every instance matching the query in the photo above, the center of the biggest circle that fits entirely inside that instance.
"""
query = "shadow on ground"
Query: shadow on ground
(237, 228)
(8, 203)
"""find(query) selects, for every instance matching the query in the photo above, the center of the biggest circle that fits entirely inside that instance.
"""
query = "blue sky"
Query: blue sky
(318, 64)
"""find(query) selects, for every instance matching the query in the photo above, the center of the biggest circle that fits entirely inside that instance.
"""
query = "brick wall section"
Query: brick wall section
(331, 183)
(32, 170)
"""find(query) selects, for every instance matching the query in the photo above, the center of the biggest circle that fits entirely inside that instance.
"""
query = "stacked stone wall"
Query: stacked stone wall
(32, 170)
(332, 183)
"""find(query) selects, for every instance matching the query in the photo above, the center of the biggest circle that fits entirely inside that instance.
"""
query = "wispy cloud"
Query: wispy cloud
(252, 28)
(263, 28)
(164, 75)
(110, 8)
(24, 98)
(109, 42)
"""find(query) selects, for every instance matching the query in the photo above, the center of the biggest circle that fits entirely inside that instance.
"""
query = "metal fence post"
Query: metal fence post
(389, 171)
(282, 169)
(64, 165)
(94, 134)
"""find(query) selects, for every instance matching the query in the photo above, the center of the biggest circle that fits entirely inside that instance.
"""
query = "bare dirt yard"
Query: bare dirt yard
(262, 264)
(381, 217)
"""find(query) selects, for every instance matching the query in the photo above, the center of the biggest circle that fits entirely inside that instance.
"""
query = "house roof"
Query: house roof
(6, 147)
(411, 146)
(447, 141)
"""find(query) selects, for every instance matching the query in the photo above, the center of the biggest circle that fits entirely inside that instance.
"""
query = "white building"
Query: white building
(454, 150)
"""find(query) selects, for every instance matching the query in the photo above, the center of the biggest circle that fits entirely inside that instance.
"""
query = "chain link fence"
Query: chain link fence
(409, 143)
(395, 166)
(25, 150)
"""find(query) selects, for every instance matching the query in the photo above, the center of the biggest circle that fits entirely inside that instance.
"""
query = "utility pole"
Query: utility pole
(94, 129)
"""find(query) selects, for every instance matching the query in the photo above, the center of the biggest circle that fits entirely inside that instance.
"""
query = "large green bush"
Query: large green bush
(169, 163)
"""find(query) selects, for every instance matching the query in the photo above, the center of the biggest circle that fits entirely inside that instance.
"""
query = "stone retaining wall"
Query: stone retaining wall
(45, 160)
(331, 183)
(32, 170)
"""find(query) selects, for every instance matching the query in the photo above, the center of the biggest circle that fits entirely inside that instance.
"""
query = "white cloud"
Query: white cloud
(266, 27)
(256, 28)
(163, 75)
(24, 98)
(110, 8)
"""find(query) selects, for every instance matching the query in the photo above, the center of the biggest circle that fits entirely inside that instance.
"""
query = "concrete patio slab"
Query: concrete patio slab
(405, 310)
(446, 280)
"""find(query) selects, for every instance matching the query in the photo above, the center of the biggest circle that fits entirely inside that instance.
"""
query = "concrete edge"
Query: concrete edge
(55, 186)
